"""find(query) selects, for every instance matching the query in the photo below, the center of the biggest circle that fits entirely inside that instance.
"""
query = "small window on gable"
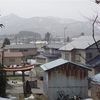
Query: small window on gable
(78, 57)
(88, 55)
(66, 56)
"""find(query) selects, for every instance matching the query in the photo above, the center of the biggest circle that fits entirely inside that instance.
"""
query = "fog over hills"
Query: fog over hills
(14, 24)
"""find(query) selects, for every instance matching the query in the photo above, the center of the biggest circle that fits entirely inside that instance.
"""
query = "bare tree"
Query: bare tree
(97, 1)
(1, 25)
(93, 35)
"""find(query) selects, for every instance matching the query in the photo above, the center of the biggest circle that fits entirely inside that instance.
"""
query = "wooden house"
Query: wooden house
(62, 78)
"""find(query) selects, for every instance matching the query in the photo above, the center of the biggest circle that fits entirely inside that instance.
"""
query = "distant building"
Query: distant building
(12, 58)
(51, 52)
(95, 86)
(40, 59)
(28, 51)
(62, 77)
(83, 50)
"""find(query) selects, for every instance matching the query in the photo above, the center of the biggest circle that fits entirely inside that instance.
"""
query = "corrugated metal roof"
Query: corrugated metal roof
(95, 78)
(40, 56)
(46, 54)
(82, 42)
(59, 62)
(94, 62)
(81, 65)
(20, 46)
(53, 64)
(54, 45)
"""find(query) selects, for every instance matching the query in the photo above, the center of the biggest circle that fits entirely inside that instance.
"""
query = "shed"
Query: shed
(95, 86)
(62, 78)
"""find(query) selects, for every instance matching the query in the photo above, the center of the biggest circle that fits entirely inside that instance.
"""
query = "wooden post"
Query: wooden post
(2, 57)
(23, 80)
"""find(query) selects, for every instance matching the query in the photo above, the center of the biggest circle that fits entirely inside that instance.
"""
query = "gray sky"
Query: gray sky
(56, 8)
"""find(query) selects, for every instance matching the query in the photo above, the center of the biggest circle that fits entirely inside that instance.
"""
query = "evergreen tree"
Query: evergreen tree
(2, 82)
(2, 77)
(47, 37)
(6, 42)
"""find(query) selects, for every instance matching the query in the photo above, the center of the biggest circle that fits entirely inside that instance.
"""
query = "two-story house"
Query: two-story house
(82, 50)
(28, 51)
(51, 52)
(12, 58)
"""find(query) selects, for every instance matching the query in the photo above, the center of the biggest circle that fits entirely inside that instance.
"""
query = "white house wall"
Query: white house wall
(72, 56)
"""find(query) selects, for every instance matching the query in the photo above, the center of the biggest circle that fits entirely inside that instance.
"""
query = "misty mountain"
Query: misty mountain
(14, 24)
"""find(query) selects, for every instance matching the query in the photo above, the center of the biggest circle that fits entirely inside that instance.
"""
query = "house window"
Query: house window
(66, 56)
(89, 55)
(24, 50)
(11, 60)
(78, 57)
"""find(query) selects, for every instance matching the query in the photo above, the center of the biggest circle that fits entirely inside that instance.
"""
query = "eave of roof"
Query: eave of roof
(20, 46)
(94, 62)
(53, 64)
(58, 62)
(54, 45)
(51, 55)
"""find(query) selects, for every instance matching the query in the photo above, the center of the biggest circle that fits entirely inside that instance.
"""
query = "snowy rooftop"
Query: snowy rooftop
(82, 42)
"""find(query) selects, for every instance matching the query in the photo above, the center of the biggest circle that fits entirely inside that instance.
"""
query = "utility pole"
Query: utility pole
(64, 34)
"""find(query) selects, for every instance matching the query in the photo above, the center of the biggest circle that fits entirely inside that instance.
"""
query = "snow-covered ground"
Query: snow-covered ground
(4, 98)
(14, 82)
(20, 72)
(31, 61)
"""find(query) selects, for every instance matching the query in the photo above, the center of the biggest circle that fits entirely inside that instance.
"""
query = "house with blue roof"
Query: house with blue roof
(64, 78)
(83, 50)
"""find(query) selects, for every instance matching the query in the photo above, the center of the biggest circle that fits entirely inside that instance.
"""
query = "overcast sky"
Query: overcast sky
(75, 9)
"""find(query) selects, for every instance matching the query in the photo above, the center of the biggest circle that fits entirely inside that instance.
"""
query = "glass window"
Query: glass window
(66, 56)
(89, 56)
(11, 60)
(24, 50)
(78, 57)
